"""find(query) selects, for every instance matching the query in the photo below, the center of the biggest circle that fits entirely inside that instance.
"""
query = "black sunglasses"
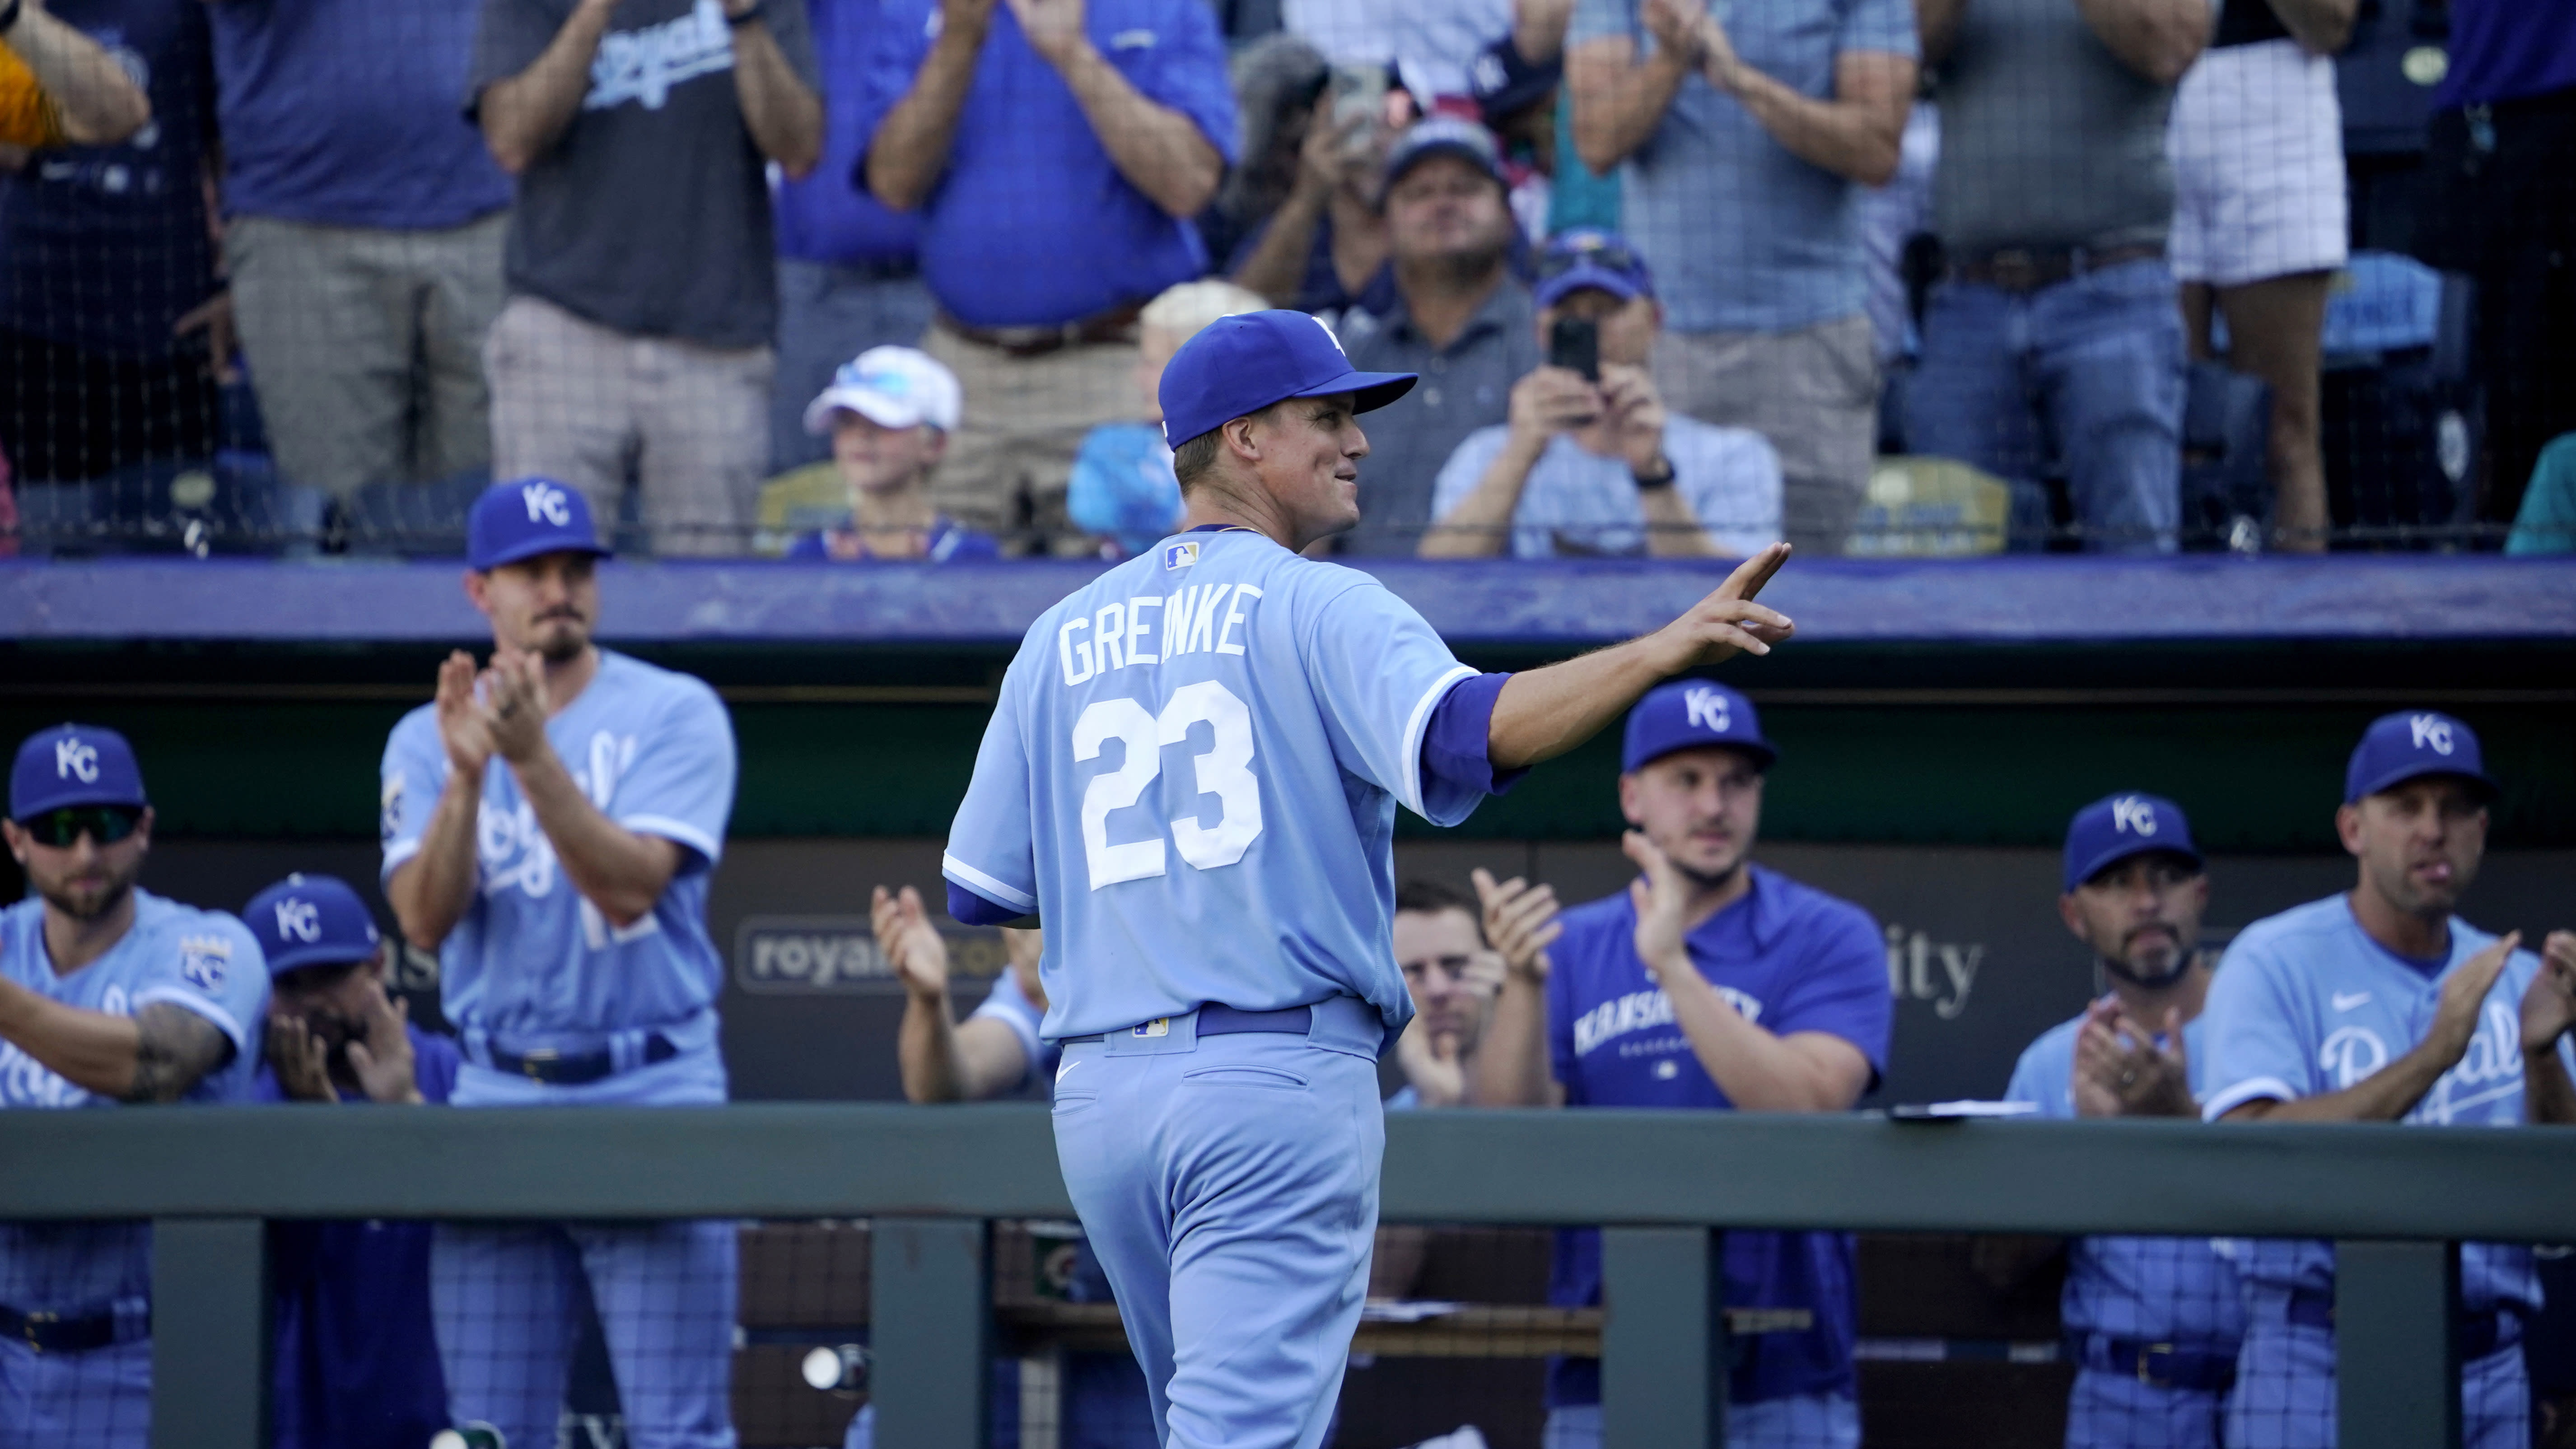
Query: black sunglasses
(61, 829)
(1565, 256)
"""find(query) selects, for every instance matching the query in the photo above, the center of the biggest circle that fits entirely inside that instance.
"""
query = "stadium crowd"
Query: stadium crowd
(1680, 276)
(551, 823)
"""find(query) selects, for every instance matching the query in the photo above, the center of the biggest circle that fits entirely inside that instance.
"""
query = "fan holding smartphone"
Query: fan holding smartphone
(1590, 461)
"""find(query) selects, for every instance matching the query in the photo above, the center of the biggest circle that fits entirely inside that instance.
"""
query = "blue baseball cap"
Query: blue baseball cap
(1585, 257)
(311, 920)
(2399, 747)
(2115, 827)
(1687, 714)
(1445, 136)
(1238, 365)
(73, 764)
(526, 517)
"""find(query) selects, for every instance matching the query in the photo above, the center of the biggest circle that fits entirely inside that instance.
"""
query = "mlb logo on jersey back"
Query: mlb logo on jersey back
(1180, 555)
(203, 961)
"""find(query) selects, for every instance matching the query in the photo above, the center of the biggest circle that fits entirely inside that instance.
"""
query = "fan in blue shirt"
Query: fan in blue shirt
(1710, 983)
(108, 993)
(357, 1361)
(2380, 1005)
(2152, 1324)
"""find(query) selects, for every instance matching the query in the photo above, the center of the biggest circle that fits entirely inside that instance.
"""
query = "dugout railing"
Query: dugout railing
(2398, 1201)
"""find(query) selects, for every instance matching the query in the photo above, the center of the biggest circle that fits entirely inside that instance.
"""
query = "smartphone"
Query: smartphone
(1358, 91)
(1575, 343)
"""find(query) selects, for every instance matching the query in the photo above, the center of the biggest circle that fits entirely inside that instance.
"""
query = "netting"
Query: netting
(281, 279)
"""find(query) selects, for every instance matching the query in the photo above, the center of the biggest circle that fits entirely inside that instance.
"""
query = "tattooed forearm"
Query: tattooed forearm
(175, 1049)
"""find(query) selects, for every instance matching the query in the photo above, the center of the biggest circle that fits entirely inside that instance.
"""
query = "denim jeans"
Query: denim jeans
(2087, 375)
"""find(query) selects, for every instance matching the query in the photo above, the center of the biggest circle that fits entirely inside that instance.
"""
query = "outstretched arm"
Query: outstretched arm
(95, 102)
(1542, 713)
(155, 1055)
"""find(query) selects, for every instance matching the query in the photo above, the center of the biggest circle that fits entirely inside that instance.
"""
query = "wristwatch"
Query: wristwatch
(1657, 476)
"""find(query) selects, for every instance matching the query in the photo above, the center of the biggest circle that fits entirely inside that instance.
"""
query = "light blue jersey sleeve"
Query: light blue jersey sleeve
(992, 844)
(1009, 1005)
(1378, 671)
(2033, 1082)
(680, 784)
(408, 785)
(210, 964)
(2259, 1035)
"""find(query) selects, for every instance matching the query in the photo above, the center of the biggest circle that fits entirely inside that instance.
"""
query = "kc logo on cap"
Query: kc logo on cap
(525, 517)
(2410, 744)
(545, 503)
(76, 758)
(1690, 714)
(73, 764)
(1238, 365)
(2133, 815)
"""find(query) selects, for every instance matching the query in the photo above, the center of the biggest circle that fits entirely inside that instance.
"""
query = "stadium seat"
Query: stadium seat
(1931, 508)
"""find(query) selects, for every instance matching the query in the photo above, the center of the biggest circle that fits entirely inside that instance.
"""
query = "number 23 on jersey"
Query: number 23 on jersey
(1224, 770)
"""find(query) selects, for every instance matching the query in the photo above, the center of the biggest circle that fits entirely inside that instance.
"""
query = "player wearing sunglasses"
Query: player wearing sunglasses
(108, 993)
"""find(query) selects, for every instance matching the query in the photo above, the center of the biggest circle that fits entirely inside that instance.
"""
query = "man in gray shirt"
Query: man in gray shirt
(1461, 320)
(2056, 337)
(640, 262)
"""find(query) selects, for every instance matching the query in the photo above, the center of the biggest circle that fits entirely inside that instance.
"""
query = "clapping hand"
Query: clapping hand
(514, 703)
(2121, 1069)
(911, 945)
(461, 726)
(1053, 27)
(1520, 923)
(383, 1062)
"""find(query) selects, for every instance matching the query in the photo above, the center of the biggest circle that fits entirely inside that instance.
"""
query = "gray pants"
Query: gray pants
(1812, 392)
(586, 405)
(826, 316)
(367, 346)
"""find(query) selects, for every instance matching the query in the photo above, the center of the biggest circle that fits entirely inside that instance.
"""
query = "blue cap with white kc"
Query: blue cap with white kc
(311, 920)
(1687, 714)
(1238, 365)
(2402, 746)
(526, 517)
(2116, 827)
(73, 764)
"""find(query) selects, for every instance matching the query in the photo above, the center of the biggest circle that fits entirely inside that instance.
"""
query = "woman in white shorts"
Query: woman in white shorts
(2260, 220)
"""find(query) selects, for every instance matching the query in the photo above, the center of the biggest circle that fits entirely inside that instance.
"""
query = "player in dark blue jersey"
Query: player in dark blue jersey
(1709, 983)
(357, 1361)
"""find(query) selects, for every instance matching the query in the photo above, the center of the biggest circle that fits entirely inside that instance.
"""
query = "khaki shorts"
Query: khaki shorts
(1812, 392)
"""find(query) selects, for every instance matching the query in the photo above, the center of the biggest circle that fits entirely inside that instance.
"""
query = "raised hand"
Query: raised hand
(461, 727)
(1662, 900)
(2463, 1000)
(1728, 622)
(1432, 1064)
(514, 703)
(301, 1061)
(912, 946)
(1551, 400)
(1636, 413)
(1520, 923)
(1678, 27)
(1053, 27)
(383, 1062)
(2549, 1003)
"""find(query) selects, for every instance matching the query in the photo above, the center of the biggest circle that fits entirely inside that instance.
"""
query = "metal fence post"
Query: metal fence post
(1663, 1339)
(930, 1332)
(2397, 1358)
(210, 1333)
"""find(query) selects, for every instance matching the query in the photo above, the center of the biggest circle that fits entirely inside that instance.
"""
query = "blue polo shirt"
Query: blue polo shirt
(2504, 50)
(2164, 1290)
(357, 1359)
(830, 216)
(345, 115)
(1743, 234)
(1031, 224)
(1791, 959)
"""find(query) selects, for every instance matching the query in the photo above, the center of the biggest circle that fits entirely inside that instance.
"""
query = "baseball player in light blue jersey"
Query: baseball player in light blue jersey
(1191, 777)
(549, 828)
(2152, 1324)
(108, 993)
(2380, 1005)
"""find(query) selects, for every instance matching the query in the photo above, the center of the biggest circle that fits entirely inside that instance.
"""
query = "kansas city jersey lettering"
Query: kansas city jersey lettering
(1643, 1011)
(516, 855)
(2488, 1073)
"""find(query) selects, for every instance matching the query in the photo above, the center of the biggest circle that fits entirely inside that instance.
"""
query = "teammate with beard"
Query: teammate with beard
(2381, 1005)
(108, 993)
(550, 826)
(1710, 983)
(2152, 1324)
